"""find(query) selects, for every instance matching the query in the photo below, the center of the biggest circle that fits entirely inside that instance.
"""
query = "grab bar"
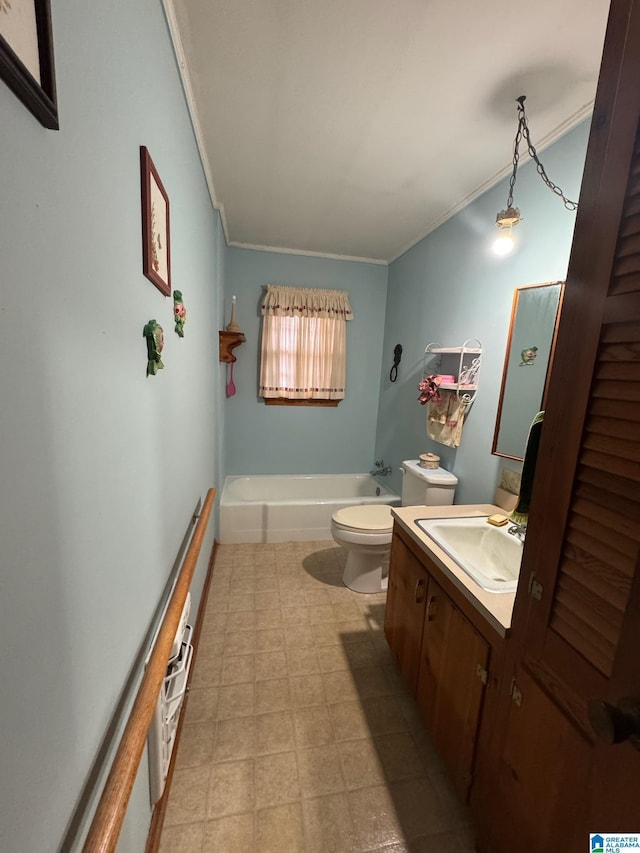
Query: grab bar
(109, 816)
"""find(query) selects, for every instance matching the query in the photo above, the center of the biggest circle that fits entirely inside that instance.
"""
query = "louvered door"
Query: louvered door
(579, 642)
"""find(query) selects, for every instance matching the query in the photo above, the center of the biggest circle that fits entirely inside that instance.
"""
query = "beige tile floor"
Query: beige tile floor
(299, 736)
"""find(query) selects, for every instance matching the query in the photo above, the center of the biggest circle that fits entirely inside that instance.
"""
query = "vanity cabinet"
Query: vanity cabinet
(447, 662)
(452, 676)
(404, 613)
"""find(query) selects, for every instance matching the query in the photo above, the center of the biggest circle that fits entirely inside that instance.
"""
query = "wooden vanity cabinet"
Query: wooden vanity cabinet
(449, 666)
(404, 612)
(453, 673)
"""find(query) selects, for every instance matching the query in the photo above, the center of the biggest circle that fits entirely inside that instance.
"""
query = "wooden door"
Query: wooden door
(453, 672)
(404, 617)
(580, 643)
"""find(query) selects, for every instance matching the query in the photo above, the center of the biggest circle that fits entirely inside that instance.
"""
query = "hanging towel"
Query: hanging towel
(445, 419)
(520, 514)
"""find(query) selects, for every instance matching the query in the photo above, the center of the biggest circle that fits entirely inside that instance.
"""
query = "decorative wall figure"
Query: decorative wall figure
(179, 313)
(154, 334)
(528, 356)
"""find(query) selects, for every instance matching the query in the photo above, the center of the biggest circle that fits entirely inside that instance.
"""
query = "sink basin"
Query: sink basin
(488, 554)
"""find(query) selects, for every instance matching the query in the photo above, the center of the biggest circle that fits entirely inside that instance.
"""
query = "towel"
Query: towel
(445, 418)
(520, 514)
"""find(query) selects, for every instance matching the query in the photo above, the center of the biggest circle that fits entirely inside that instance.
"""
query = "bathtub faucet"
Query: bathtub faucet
(381, 469)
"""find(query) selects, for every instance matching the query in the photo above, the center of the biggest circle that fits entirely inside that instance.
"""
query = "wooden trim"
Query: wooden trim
(507, 357)
(109, 816)
(284, 401)
(160, 808)
(39, 97)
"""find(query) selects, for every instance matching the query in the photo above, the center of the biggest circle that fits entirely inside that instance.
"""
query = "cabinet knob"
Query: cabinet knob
(616, 723)
(421, 589)
(431, 609)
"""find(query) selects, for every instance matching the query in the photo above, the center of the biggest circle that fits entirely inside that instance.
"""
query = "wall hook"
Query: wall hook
(397, 355)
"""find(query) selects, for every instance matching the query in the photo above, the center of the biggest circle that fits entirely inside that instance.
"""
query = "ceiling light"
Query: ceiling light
(505, 220)
(508, 218)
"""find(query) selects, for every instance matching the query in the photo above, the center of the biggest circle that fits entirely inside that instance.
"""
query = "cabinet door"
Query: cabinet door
(404, 614)
(452, 675)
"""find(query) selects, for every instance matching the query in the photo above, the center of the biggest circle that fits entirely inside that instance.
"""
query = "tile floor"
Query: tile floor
(299, 736)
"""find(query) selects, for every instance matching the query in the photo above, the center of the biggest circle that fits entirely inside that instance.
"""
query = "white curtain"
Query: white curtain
(304, 343)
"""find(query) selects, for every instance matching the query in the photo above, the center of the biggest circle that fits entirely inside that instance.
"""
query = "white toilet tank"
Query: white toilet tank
(426, 486)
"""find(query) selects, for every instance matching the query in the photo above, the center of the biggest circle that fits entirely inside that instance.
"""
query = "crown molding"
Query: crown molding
(181, 60)
(327, 255)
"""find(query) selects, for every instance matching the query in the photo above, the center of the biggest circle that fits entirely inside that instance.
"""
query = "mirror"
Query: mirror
(527, 364)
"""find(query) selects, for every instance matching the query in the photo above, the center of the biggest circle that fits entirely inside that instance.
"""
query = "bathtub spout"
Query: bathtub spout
(381, 470)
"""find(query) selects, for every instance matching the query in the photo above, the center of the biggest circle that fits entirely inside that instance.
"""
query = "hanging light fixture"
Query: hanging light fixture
(507, 219)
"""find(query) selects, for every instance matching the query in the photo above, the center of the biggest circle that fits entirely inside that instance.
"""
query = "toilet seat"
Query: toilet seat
(366, 519)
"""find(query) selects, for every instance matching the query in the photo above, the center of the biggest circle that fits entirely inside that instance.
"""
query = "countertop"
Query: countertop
(495, 607)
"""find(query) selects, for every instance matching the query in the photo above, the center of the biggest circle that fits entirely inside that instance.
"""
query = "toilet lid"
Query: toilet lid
(365, 517)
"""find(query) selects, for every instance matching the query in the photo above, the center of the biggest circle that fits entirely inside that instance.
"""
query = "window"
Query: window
(304, 346)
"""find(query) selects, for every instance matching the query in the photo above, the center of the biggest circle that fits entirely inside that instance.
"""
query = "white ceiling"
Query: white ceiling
(355, 127)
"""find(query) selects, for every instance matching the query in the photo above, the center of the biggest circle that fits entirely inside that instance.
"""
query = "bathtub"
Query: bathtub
(287, 508)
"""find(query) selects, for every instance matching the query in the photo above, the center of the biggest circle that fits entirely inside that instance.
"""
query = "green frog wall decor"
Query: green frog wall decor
(528, 356)
(154, 334)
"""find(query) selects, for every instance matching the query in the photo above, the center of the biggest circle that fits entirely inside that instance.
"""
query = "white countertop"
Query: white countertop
(495, 607)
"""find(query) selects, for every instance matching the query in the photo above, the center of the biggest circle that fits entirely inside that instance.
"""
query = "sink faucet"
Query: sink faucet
(381, 469)
(518, 530)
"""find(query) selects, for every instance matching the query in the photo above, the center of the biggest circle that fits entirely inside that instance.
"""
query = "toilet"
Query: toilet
(365, 531)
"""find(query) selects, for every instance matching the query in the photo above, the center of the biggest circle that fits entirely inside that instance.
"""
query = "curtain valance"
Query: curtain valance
(283, 301)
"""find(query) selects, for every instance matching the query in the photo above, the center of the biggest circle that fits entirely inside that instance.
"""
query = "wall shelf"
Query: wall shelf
(469, 357)
(228, 342)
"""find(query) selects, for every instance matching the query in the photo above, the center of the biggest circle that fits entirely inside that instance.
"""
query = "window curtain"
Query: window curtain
(304, 343)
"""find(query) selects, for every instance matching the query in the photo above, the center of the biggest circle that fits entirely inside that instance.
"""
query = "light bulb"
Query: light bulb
(503, 244)
(505, 220)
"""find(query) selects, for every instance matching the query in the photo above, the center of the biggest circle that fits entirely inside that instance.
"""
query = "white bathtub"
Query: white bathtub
(288, 508)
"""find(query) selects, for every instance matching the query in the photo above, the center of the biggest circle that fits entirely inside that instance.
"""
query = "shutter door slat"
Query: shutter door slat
(589, 608)
(610, 487)
(620, 332)
(617, 548)
(602, 426)
(602, 512)
(629, 245)
(630, 225)
(614, 446)
(593, 647)
(624, 351)
(616, 390)
(619, 371)
(601, 580)
(618, 512)
(616, 410)
(599, 551)
(626, 281)
(632, 206)
(611, 465)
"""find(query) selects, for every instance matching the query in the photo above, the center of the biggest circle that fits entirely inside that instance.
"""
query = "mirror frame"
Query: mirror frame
(514, 311)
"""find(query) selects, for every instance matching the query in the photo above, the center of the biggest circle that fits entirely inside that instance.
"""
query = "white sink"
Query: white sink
(488, 554)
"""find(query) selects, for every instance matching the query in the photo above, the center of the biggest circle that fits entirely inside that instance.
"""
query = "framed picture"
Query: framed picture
(26, 56)
(156, 256)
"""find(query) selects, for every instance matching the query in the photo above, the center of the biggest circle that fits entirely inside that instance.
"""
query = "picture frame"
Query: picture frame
(26, 57)
(156, 253)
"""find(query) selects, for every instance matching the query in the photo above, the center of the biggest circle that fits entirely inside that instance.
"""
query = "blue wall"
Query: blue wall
(450, 287)
(264, 439)
(101, 466)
